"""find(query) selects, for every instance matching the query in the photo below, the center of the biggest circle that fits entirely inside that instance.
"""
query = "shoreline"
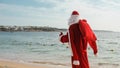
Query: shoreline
(14, 64)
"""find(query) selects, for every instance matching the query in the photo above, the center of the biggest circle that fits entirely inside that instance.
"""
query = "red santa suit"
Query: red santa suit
(79, 35)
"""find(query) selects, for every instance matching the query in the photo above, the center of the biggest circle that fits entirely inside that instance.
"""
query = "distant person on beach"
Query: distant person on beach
(78, 36)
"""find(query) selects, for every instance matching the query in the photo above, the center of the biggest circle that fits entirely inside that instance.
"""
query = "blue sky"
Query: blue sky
(100, 14)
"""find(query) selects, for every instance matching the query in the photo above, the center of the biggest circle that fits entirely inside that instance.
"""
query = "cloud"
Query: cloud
(100, 17)
(112, 2)
(30, 15)
(26, 11)
(99, 14)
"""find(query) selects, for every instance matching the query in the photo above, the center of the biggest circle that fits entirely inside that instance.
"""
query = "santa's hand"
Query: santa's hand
(61, 33)
(76, 62)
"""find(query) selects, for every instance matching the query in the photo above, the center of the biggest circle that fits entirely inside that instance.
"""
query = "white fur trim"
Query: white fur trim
(76, 62)
(73, 19)
(70, 43)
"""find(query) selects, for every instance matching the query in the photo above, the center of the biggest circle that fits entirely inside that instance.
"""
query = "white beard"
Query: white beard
(73, 19)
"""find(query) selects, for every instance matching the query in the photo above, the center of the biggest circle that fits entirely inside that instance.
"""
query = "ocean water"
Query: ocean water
(45, 48)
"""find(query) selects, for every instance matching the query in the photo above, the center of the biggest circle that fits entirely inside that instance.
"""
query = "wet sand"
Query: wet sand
(12, 64)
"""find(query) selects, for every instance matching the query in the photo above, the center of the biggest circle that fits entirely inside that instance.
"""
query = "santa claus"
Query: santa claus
(78, 36)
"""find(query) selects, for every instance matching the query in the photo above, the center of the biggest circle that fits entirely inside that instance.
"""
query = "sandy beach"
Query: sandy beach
(12, 64)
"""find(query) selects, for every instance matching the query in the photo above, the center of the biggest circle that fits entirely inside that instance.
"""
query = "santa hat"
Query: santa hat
(74, 18)
(75, 13)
